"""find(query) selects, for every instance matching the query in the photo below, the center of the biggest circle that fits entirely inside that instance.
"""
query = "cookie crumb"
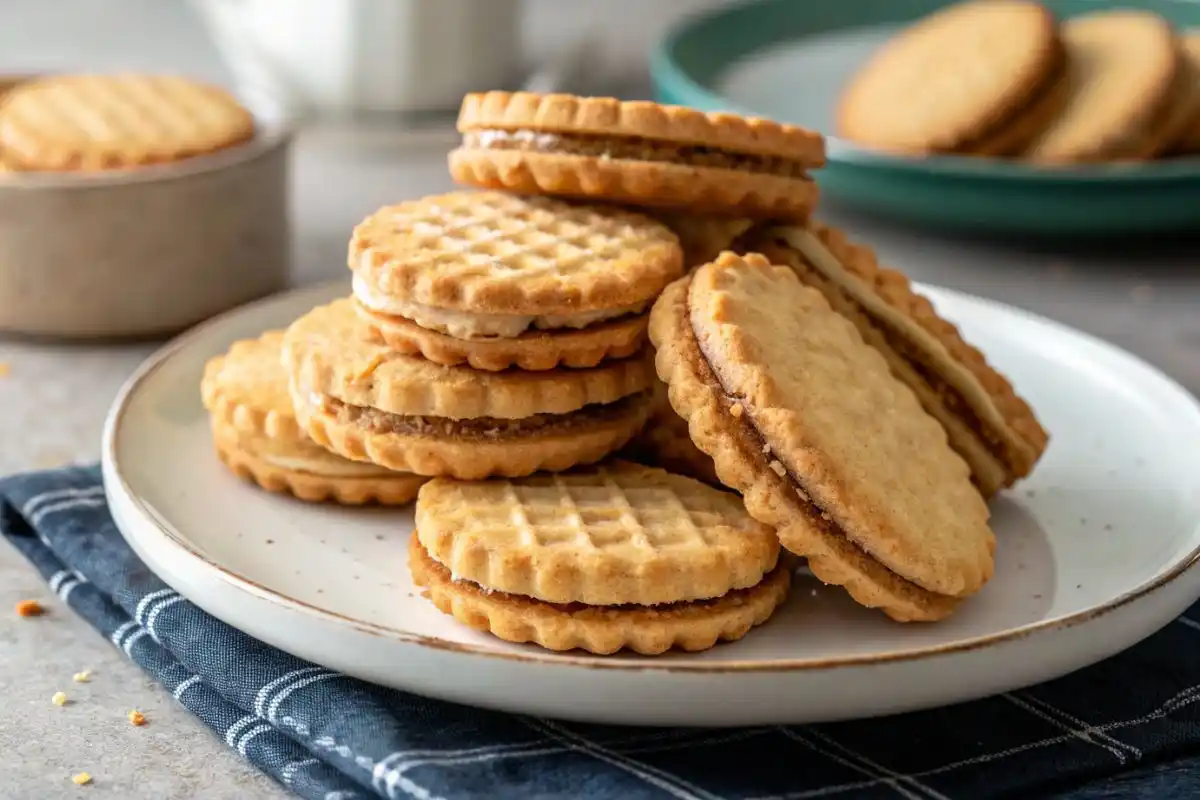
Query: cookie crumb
(29, 608)
(137, 718)
(777, 468)
(59, 699)
(82, 677)
(736, 410)
(766, 449)
(82, 779)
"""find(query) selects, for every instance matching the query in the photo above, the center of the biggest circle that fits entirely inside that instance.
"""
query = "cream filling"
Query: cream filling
(964, 381)
(469, 325)
(331, 467)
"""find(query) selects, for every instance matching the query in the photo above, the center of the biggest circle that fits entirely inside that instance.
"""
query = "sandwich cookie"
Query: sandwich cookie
(807, 421)
(1127, 72)
(367, 402)
(637, 152)
(666, 443)
(496, 280)
(986, 422)
(1186, 139)
(256, 435)
(703, 238)
(978, 77)
(89, 123)
(600, 559)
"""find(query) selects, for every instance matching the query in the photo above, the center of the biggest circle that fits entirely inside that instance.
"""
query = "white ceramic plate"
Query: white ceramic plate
(1093, 555)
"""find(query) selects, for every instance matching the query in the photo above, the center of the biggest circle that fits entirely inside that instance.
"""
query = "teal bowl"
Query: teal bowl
(788, 59)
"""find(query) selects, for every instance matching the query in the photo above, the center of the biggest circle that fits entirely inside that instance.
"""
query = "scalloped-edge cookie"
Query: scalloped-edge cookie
(637, 152)
(806, 420)
(987, 423)
(256, 436)
(368, 402)
(602, 558)
(496, 280)
(666, 443)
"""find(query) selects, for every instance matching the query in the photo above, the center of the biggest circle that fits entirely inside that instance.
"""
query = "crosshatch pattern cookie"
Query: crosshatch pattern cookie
(100, 122)
(496, 280)
(603, 558)
(956, 79)
(368, 402)
(807, 422)
(637, 152)
(256, 435)
(987, 423)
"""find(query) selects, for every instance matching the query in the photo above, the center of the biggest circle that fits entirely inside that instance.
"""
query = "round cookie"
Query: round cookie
(987, 423)
(1189, 139)
(806, 420)
(1126, 68)
(101, 122)
(954, 79)
(368, 402)
(638, 153)
(604, 558)
(256, 434)
(496, 280)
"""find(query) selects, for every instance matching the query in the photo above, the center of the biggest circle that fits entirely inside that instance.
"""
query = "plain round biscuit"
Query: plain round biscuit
(1125, 66)
(951, 78)
(648, 631)
(535, 350)
(769, 497)
(607, 535)
(495, 253)
(642, 119)
(99, 122)
(327, 351)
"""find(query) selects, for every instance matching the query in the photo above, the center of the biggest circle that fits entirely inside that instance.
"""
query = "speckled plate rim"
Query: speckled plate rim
(669, 75)
(115, 482)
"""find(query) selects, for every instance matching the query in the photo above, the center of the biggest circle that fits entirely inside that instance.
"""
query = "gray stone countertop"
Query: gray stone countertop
(1143, 296)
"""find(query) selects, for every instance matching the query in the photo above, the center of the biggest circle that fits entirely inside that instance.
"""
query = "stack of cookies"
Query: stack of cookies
(628, 371)
(1005, 78)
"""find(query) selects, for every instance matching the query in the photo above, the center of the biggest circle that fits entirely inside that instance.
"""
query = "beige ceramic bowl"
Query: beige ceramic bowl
(148, 251)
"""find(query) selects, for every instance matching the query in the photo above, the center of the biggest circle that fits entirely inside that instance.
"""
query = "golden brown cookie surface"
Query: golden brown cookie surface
(1125, 68)
(636, 152)
(606, 535)
(99, 122)
(991, 426)
(952, 78)
(598, 629)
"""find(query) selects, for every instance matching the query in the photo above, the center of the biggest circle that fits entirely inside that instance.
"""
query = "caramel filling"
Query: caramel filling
(443, 574)
(633, 148)
(483, 428)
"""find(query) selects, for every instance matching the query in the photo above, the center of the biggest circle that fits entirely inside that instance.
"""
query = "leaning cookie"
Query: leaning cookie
(806, 420)
(987, 422)
(496, 280)
(1128, 79)
(979, 77)
(600, 559)
(256, 435)
(637, 152)
(367, 402)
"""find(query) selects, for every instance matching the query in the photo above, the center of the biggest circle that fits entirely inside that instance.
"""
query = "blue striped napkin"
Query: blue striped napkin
(1129, 727)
